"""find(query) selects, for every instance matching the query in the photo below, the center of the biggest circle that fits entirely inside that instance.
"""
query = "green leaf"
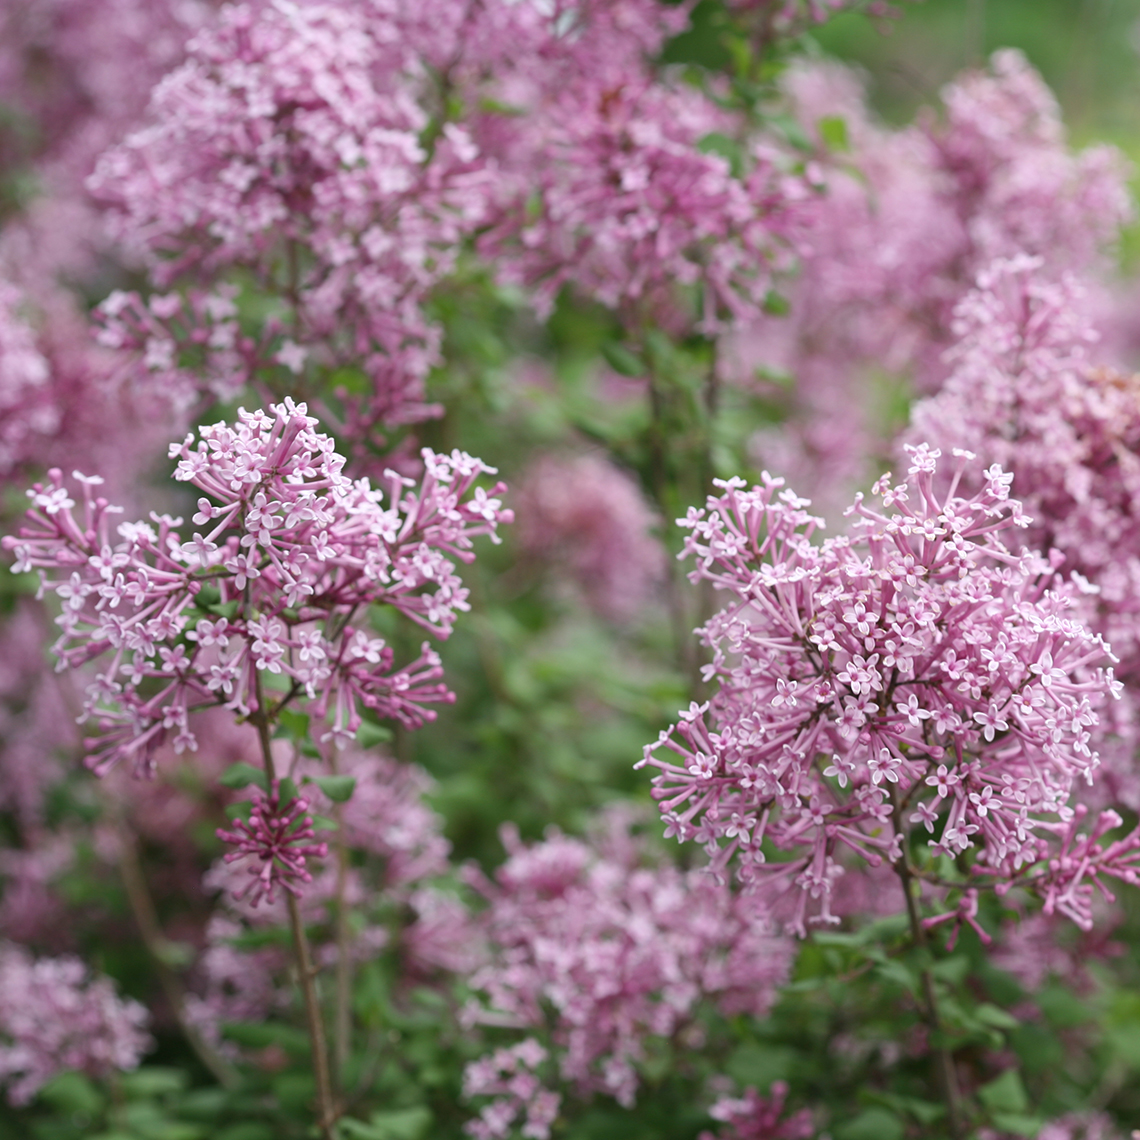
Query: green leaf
(153, 1081)
(241, 775)
(259, 1035)
(833, 132)
(368, 735)
(249, 1130)
(339, 789)
(399, 1124)
(1006, 1094)
(72, 1093)
(1017, 1123)
(991, 1015)
(776, 305)
(871, 1124)
(622, 361)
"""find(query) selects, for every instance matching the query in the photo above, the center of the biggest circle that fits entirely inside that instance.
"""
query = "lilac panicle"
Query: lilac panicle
(587, 517)
(618, 951)
(913, 677)
(55, 1017)
(274, 844)
(294, 552)
(1024, 393)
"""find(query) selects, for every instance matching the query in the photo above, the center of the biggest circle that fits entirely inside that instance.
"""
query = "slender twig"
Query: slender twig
(306, 975)
(944, 1059)
(342, 1017)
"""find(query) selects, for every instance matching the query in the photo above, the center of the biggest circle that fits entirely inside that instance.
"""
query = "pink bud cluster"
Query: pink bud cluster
(55, 1017)
(915, 677)
(273, 845)
(601, 951)
(510, 1076)
(272, 587)
(398, 850)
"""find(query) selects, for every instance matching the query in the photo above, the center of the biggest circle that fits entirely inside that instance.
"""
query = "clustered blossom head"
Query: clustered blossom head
(510, 1076)
(55, 1017)
(906, 221)
(274, 587)
(756, 1117)
(295, 143)
(629, 208)
(1023, 393)
(587, 518)
(616, 951)
(274, 844)
(912, 677)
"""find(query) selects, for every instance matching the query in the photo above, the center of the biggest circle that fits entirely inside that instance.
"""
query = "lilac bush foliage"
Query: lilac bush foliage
(55, 1017)
(618, 950)
(294, 552)
(916, 678)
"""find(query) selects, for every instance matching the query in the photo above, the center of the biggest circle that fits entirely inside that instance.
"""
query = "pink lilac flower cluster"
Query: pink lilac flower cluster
(587, 519)
(756, 1117)
(1024, 394)
(907, 220)
(600, 950)
(912, 677)
(619, 200)
(273, 589)
(604, 184)
(58, 394)
(510, 1076)
(75, 72)
(1072, 1126)
(293, 146)
(273, 845)
(55, 1017)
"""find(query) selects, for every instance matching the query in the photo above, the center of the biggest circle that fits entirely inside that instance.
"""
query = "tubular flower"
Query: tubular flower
(286, 554)
(913, 676)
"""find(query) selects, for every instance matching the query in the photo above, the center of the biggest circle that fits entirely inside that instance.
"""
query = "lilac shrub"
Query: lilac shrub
(906, 221)
(914, 681)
